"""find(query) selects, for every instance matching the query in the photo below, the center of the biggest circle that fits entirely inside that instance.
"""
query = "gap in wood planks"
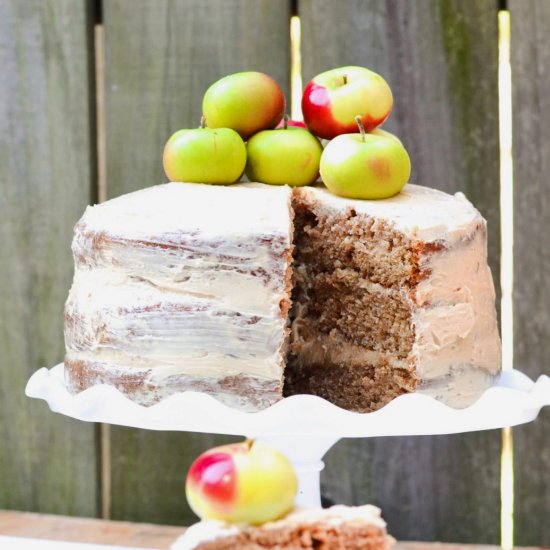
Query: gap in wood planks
(295, 68)
(506, 268)
(104, 430)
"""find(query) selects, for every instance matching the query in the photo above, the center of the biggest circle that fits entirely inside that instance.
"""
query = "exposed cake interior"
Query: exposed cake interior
(352, 328)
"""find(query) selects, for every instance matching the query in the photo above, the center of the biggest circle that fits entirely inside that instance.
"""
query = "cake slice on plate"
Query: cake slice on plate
(336, 528)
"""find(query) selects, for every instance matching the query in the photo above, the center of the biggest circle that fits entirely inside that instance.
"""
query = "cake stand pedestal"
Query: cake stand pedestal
(303, 427)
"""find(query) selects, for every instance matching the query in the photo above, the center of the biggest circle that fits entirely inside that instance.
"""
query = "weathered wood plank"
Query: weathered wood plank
(530, 58)
(47, 462)
(160, 57)
(87, 530)
(440, 58)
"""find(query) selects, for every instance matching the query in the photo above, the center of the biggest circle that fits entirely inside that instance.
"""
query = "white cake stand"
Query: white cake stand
(303, 427)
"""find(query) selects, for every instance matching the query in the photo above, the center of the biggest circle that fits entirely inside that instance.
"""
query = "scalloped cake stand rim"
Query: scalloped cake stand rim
(513, 399)
(303, 427)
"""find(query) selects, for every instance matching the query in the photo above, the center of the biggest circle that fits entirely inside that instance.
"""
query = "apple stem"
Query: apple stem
(249, 443)
(285, 121)
(345, 79)
(361, 127)
(203, 122)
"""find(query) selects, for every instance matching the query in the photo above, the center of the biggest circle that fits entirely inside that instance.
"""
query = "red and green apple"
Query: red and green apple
(247, 102)
(246, 482)
(332, 99)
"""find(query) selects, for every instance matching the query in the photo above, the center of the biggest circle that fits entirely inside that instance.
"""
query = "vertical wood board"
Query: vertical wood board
(47, 462)
(440, 59)
(160, 57)
(530, 58)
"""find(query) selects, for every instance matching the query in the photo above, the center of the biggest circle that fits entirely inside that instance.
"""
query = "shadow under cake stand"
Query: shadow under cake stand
(303, 427)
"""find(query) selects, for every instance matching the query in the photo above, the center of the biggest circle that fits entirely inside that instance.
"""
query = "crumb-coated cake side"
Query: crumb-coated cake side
(337, 527)
(391, 297)
(182, 287)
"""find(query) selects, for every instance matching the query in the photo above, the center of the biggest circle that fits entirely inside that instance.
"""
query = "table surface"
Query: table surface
(137, 535)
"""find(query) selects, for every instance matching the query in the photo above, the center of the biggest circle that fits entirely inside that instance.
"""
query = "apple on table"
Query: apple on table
(289, 155)
(246, 482)
(204, 155)
(365, 165)
(247, 102)
(332, 99)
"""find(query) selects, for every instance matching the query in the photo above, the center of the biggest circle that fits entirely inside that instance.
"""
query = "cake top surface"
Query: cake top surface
(214, 211)
(333, 516)
(421, 212)
(255, 209)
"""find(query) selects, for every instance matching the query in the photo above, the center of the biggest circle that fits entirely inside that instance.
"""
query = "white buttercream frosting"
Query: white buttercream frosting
(212, 211)
(183, 279)
(457, 343)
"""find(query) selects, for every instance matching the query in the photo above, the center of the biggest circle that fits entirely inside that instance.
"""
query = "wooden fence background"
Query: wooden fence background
(158, 57)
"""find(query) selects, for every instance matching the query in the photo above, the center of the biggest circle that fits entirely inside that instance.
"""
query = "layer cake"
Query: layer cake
(250, 292)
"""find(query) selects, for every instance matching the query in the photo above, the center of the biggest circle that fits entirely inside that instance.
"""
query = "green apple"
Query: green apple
(365, 166)
(288, 155)
(204, 155)
(247, 102)
(332, 99)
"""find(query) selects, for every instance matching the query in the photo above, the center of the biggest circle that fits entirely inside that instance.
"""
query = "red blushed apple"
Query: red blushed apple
(290, 122)
(246, 102)
(332, 100)
(215, 474)
(246, 482)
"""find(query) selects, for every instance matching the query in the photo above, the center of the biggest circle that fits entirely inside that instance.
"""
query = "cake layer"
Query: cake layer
(365, 314)
(192, 334)
(168, 292)
(148, 385)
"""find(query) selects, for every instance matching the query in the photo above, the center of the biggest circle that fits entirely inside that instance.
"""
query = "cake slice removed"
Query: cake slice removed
(336, 528)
